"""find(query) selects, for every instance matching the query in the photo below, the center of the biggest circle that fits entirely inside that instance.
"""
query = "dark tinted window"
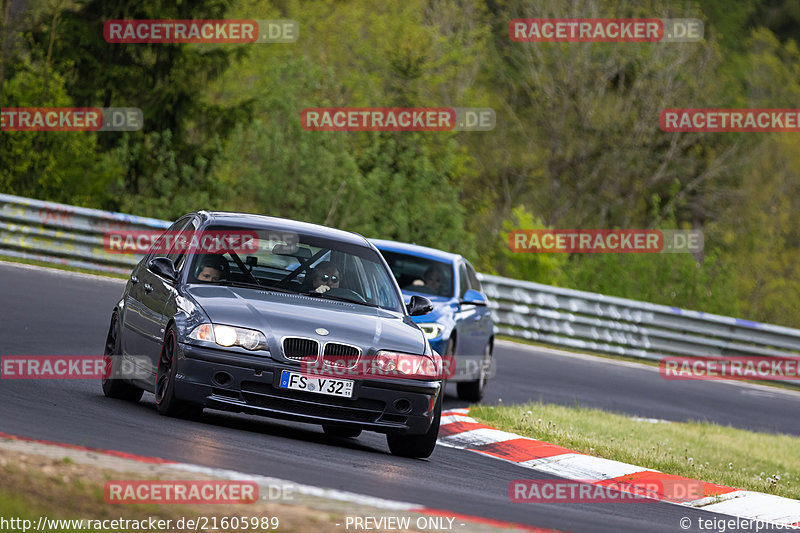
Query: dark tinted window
(473, 278)
(178, 252)
(421, 274)
(463, 280)
(305, 264)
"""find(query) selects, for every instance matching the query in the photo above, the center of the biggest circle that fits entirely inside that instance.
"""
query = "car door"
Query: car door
(467, 317)
(134, 317)
(156, 293)
(485, 328)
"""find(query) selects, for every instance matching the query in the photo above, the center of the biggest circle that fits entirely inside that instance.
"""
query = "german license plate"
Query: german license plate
(332, 387)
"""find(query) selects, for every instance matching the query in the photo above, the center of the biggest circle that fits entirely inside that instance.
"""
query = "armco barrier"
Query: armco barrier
(587, 321)
(598, 323)
(65, 234)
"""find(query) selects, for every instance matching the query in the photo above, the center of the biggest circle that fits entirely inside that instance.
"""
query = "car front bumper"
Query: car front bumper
(249, 384)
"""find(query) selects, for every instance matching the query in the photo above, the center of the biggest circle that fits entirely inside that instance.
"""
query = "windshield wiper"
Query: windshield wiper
(338, 298)
(251, 285)
(245, 284)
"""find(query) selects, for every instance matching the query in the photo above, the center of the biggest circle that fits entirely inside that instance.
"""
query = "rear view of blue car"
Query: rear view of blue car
(460, 324)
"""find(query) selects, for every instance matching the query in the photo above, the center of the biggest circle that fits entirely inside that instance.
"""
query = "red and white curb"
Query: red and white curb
(458, 430)
(264, 482)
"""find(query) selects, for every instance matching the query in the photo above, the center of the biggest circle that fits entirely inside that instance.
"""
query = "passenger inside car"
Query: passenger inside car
(325, 277)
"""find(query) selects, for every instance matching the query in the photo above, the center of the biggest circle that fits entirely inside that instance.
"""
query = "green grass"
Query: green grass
(709, 452)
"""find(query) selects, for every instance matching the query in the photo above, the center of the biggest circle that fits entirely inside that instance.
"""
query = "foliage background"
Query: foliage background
(577, 142)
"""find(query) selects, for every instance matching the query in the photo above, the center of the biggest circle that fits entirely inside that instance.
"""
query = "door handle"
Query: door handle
(148, 288)
(134, 280)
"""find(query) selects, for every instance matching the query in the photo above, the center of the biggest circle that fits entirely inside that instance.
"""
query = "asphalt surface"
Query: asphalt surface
(51, 313)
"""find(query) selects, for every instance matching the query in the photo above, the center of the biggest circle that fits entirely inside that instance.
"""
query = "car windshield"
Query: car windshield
(283, 261)
(421, 274)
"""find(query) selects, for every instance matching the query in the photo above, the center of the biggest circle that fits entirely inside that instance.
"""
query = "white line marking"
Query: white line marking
(580, 466)
(476, 437)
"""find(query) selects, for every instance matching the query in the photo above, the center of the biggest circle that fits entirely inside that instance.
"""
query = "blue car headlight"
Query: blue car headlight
(431, 330)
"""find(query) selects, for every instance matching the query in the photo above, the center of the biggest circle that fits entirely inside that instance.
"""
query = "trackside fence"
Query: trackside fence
(599, 323)
(73, 236)
(65, 234)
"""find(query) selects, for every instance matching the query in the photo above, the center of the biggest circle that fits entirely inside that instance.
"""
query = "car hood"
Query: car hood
(278, 315)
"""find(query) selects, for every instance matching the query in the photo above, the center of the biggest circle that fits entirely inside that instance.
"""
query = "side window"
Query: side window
(463, 280)
(473, 278)
(178, 252)
(156, 249)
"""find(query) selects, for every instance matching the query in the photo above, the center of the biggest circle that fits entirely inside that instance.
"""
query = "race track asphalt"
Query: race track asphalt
(46, 312)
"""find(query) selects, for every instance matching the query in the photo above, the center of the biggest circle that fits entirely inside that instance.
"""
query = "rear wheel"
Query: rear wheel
(117, 388)
(341, 432)
(472, 391)
(166, 402)
(418, 446)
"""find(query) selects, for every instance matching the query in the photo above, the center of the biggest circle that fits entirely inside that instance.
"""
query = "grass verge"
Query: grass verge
(719, 454)
(33, 486)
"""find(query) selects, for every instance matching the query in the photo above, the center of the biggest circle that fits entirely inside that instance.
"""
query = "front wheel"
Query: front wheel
(418, 446)
(166, 402)
(472, 391)
(117, 388)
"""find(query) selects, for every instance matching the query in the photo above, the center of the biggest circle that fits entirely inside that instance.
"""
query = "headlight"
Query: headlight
(431, 329)
(249, 339)
(406, 364)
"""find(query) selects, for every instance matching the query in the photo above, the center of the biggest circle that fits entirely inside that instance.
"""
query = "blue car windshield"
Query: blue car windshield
(421, 274)
(290, 262)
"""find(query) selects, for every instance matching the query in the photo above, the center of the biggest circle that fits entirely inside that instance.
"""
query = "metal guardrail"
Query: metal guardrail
(598, 323)
(65, 234)
(70, 235)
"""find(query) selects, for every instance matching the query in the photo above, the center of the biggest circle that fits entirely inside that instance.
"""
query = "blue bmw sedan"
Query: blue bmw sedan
(460, 324)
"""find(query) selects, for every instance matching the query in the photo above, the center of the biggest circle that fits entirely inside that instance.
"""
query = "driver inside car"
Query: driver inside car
(211, 268)
(325, 277)
(432, 278)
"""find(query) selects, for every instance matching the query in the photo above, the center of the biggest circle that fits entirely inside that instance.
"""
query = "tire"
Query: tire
(449, 352)
(472, 391)
(341, 432)
(117, 388)
(418, 446)
(166, 403)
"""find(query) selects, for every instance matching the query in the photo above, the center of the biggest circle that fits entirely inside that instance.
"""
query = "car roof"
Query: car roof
(415, 249)
(283, 224)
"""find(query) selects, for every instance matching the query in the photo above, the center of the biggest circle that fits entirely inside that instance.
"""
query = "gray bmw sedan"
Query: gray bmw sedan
(274, 317)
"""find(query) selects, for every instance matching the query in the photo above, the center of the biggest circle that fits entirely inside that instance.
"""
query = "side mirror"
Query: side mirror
(162, 266)
(419, 305)
(473, 297)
